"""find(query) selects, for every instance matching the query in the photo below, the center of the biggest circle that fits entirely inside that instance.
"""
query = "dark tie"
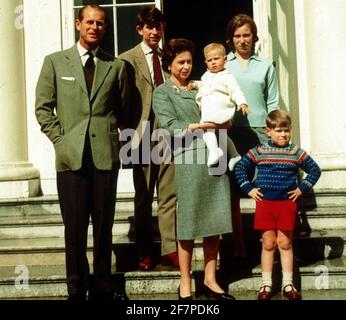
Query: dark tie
(89, 69)
(158, 79)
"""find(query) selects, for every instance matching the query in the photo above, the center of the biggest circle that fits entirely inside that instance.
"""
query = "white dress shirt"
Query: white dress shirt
(83, 53)
(148, 52)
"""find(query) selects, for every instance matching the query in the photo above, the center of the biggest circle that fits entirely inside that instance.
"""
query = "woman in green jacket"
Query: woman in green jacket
(203, 199)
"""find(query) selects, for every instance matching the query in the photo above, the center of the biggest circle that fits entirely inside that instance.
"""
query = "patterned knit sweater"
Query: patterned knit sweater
(277, 170)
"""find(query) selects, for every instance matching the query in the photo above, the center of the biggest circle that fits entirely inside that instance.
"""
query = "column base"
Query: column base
(332, 180)
(333, 168)
(19, 179)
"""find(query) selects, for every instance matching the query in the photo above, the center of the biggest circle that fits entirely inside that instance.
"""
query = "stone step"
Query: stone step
(40, 217)
(321, 274)
(46, 205)
(33, 282)
(251, 295)
(42, 282)
(52, 226)
(50, 250)
(37, 251)
(313, 275)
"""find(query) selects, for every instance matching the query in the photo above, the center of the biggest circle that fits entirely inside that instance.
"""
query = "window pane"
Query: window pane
(133, 1)
(84, 2)
(126, 22)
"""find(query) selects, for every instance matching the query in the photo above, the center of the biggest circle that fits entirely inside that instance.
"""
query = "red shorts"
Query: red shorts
(275, 215)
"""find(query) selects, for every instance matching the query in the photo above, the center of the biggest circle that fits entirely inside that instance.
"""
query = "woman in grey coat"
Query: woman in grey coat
(203, 199)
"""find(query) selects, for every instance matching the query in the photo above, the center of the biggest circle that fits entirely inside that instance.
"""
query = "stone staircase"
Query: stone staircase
(32, 251)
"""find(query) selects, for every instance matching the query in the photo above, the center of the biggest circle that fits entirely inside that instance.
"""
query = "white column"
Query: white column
(321, 47)
(18, 177)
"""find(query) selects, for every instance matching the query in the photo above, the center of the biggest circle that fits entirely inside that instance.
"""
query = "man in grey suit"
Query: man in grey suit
(145, 75)
(81, 102)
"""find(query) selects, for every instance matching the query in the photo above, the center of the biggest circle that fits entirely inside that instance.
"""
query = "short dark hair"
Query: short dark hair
(172, 48)
(237, 22)
(278, 119)
(150, 16)
(94, 6)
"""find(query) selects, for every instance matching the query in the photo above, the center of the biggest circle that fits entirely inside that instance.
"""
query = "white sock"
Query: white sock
(214, 156)
(267, 280)
(287, 279)
(214, 152)
(233, 162)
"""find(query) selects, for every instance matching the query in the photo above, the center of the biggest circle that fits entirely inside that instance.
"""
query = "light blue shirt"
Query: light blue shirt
(259, 84)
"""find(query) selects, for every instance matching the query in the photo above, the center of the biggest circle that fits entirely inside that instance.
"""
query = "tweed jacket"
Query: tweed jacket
(141, 87)
(67, 114)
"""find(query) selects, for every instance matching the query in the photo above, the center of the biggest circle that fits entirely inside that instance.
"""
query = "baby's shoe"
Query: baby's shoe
(233, 162)
(214, 157)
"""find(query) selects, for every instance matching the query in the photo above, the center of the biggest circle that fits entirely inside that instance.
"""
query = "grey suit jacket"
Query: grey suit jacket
(65, 112)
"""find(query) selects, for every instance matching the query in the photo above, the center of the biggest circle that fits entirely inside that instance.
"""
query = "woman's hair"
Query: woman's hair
(172, 48)
(278, 119)
(214, 46)
(237, 22)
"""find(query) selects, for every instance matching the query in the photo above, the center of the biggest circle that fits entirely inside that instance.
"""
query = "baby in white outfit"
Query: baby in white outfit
(218, 97)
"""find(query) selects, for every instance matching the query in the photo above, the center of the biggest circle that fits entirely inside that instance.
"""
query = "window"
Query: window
(121, 22)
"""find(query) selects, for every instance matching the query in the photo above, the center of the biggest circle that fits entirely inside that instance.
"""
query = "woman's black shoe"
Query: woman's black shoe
(183, 298)
(216, 295)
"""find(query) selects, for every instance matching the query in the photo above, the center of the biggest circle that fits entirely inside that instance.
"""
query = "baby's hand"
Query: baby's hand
(244, 108)
(191, 85)
(256, 194)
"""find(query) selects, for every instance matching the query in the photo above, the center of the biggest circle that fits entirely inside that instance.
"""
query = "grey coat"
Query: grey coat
(203, 200)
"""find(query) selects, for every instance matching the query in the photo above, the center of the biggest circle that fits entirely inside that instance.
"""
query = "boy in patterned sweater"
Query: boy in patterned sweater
(276, 190)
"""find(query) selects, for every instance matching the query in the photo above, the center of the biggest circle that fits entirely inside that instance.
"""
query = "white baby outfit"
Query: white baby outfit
(218, 95)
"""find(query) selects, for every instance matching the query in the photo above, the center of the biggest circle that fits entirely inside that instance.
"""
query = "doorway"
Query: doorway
(202, 22)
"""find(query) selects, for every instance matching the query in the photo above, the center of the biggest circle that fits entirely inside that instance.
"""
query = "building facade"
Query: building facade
(306, 39)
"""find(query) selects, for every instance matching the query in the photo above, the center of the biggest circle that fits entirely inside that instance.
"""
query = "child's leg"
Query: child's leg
(289, 292)
(214, 152)
(284, 241)
(267, 257)
(232, 154)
